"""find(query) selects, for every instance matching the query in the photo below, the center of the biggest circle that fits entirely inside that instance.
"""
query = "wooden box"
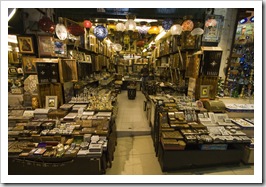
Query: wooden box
(68, 70)
(50, 89)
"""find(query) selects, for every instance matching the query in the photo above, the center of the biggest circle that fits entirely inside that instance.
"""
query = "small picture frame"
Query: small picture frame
(51, 102)
(88, 58)
(204, 91)
(59, 48)
(29, 65)
(25, 44)
(12, 71)
(45, 46)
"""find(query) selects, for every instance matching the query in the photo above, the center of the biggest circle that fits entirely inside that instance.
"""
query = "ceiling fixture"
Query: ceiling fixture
(176, 29)
(11, 12)
(100, 32)
(87, 24)
(167, 24)
(154, 30)
(130, 24)
(120, 27)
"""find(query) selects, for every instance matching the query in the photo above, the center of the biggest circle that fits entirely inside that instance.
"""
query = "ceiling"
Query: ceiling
(80, 14)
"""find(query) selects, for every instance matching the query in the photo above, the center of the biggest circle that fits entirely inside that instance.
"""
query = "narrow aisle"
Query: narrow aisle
(131, 119)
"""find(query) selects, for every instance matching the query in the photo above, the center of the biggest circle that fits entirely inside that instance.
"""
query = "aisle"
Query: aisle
(131, 119)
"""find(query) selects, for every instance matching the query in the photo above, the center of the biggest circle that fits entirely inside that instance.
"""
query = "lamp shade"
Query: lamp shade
(100, 32)
(130, 25)
(176, 29)
(167, 24)
(187, 25)
(154, 30)
(120, 27)
(143, 29)
(87, 24)
(197, 31)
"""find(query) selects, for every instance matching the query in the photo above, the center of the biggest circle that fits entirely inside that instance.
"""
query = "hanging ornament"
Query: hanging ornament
(167, 24)
(176, 29)
(140, 43)
(100, 32)
(87, 24)
(46, 24)
(143, 29)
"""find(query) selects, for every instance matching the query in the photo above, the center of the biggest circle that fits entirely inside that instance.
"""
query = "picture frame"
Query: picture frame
(12, 71)
(88, 58)
(51, 102)
(45, 46)
(204, 91)
(25, 44)
(59, 48)
(29, 65)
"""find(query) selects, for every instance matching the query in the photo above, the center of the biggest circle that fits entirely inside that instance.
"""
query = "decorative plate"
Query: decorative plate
(61, 31)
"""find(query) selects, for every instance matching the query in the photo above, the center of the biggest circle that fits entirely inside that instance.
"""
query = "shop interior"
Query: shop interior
(131, 91)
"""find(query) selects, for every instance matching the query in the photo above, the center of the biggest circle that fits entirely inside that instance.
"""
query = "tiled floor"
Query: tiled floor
(135, 155)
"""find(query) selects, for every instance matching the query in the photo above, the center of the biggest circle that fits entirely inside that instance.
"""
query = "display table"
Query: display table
(179, 159)
(55, 166)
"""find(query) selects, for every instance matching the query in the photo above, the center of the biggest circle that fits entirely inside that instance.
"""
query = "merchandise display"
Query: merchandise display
(64, 88)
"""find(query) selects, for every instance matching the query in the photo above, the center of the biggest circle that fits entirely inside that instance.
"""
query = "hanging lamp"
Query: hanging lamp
(154, 30)
(130, 23)
(100, 32)
(120, 27)
(167, 24)
(87, 24)
(176, 29)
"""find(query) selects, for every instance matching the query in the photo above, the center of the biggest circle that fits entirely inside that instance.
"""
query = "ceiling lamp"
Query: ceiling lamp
(197, 31)
(143, 29)
(87, 24)
(176, 29)
(111, 26)
(100, 32)
(120, 27)
(167, 24)
(130, 24)
(46, 24)
(154, 29)
(187, 25)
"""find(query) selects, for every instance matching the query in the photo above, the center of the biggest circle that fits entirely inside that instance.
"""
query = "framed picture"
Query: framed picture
(25, 44)
(204, 91)
(88, 58)
(45, 46)
(29, 65)
(51, 102)
(12, 71)
(59, 48)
